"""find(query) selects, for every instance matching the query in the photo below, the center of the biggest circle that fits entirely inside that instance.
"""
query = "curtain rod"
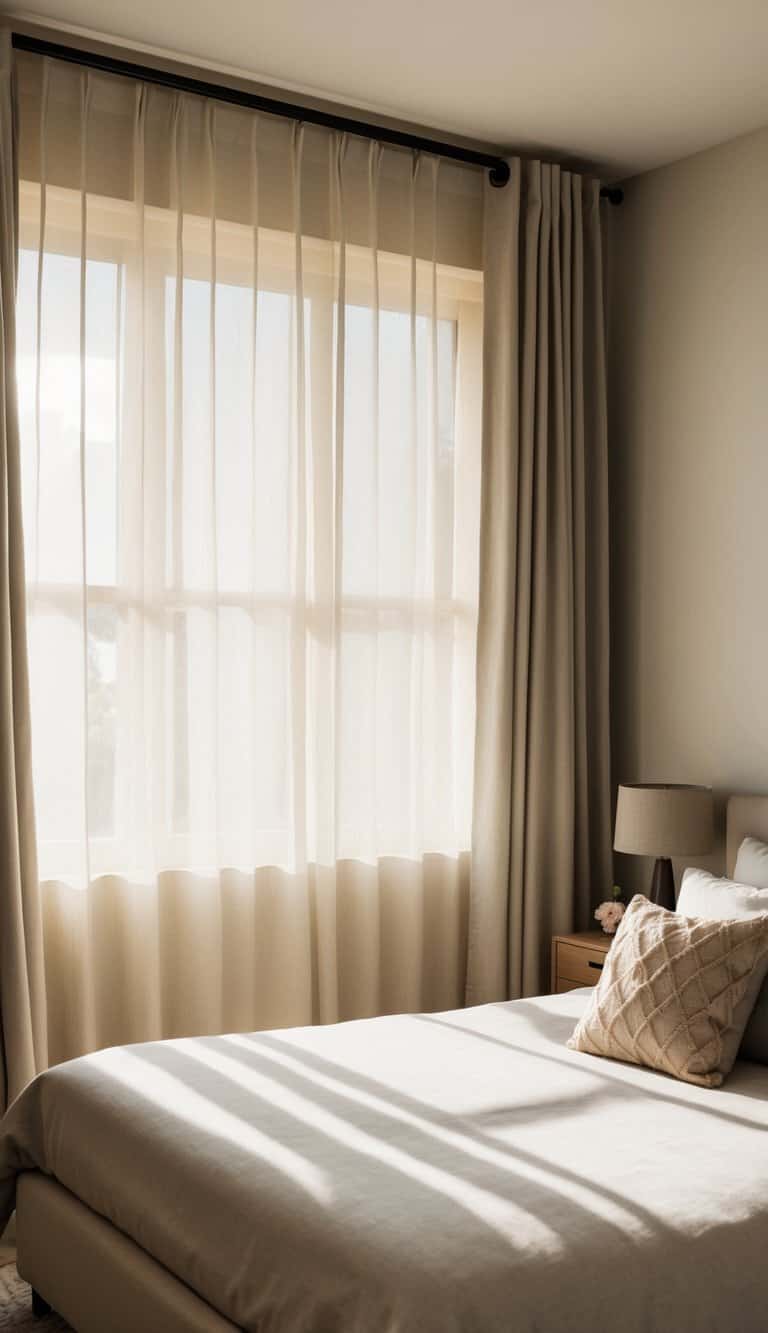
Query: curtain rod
(497, 167)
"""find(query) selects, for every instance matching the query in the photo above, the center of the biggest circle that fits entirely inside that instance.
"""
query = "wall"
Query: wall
(688, 375)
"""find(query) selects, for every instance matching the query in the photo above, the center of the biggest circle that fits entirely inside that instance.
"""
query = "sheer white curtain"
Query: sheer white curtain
(249, 393)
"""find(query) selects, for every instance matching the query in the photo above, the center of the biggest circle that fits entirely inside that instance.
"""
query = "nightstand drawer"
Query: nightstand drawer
(580, 965)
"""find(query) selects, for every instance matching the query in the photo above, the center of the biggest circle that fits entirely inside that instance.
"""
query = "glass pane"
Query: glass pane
(52, 477)
(102, 388)
(254, 415)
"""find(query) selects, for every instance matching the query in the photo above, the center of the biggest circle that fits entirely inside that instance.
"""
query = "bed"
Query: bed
(440, 1173)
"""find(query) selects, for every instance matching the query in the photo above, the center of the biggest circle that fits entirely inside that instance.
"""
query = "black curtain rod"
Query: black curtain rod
(497, 168)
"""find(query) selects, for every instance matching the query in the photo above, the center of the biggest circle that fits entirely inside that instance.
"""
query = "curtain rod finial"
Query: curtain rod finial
(499, 175)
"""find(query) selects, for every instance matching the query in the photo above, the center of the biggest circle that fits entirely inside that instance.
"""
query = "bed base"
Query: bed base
(95, 1277)
(39, 1306)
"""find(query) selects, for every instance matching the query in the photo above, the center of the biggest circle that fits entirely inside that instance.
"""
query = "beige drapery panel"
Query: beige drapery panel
(541, 835)
(22, 1006)
(252, 535)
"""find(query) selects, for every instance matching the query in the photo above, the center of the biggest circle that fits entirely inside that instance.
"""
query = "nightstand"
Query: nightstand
(577, 960)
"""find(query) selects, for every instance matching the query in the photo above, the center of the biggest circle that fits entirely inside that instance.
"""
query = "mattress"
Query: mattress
(433, 1173)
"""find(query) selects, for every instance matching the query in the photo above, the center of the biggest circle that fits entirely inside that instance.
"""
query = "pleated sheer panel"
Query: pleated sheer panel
(250, 414)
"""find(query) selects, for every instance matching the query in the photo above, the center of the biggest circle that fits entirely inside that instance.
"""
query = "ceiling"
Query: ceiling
(617, 85)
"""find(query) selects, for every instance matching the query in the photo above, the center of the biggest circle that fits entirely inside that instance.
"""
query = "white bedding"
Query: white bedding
(419, 1174)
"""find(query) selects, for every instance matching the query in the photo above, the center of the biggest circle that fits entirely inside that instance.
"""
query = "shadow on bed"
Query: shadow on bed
(446, 1144)
(626, 1089)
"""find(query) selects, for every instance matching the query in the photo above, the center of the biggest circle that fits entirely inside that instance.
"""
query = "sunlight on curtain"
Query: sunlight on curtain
(250, 439)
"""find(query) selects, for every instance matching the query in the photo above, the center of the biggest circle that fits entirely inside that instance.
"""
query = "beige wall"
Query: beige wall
(688, 356)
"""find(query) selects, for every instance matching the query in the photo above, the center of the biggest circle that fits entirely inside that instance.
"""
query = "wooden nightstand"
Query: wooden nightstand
(577, 960)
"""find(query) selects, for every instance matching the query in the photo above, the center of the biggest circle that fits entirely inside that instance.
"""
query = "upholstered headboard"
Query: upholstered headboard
(747, 816)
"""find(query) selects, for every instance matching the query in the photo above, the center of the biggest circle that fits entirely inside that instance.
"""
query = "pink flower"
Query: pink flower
(609, 915)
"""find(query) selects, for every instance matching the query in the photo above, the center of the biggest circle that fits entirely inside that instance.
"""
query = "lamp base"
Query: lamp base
(663, 884)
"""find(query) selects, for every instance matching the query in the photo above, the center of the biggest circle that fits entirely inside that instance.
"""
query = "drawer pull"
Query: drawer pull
(575, 963)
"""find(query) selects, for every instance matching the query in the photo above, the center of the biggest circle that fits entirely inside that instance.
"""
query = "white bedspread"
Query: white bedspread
(419, 1174)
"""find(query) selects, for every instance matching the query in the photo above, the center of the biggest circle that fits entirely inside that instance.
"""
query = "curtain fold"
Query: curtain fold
(541, 847)
(22, 1002)
(250, 438)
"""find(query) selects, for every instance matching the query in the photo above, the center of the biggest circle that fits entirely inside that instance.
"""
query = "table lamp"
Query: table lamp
(664, 820)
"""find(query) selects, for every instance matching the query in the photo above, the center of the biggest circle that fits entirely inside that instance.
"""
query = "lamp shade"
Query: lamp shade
(664, 820)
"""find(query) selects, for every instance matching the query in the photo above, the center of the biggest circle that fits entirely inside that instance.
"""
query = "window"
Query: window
(251, 544)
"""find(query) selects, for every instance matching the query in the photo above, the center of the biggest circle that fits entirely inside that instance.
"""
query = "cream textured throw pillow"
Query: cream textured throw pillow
(676, 992)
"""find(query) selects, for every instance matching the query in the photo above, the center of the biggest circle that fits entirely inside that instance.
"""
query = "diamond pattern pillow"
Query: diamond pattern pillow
(676, 992)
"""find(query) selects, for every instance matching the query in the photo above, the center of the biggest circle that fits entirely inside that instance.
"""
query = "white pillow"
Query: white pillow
(752, 863)
(704, 895)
